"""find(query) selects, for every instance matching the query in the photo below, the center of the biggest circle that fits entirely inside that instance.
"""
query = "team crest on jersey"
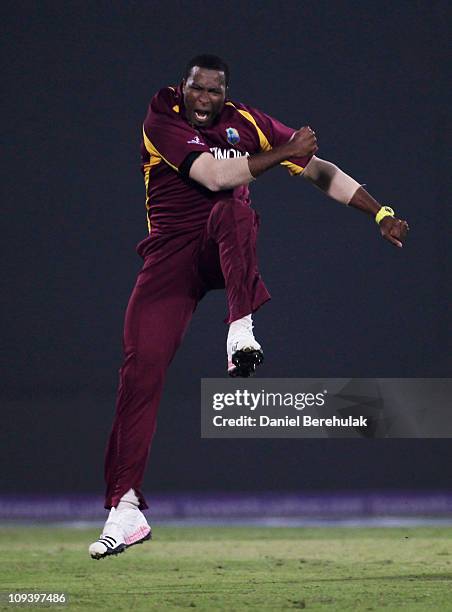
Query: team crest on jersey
(232, 135)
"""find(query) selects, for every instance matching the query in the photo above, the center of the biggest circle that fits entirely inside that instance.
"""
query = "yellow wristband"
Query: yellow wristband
(385, 211)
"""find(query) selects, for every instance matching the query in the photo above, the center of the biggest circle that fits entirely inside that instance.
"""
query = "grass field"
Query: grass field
(245, 568)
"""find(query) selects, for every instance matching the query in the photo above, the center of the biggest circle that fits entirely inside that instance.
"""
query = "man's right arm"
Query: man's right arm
(221, 174)
(302, 144)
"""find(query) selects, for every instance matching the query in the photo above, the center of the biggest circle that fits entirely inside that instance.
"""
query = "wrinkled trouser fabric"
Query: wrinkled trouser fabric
(174, 278)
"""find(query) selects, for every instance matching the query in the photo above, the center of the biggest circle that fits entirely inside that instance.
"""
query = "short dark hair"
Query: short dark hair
(212, 62)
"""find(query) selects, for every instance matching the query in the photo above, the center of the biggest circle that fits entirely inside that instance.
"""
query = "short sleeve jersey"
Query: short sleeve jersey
(176, 204)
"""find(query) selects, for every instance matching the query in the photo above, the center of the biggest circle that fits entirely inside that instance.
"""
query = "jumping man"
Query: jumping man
(200, 151)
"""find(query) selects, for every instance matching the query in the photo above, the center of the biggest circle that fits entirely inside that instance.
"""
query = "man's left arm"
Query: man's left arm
(343, 188)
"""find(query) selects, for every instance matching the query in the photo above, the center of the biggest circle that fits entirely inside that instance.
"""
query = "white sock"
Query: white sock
(235, 326)
(128, 501)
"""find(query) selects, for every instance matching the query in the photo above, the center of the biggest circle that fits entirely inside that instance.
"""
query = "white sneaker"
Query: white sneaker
(244, 351)
(122, 529)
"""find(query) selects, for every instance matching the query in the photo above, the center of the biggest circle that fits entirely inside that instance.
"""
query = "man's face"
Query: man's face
(204, 93)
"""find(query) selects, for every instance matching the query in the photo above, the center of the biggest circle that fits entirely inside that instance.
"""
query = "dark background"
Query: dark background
(371, 79)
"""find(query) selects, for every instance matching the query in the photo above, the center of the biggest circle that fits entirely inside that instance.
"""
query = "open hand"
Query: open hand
(394, 230)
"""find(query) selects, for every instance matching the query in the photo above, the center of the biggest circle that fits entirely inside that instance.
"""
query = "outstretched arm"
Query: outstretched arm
(217, 175)
(343, 188)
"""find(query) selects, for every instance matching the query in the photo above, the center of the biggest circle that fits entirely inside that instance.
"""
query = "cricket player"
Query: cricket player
(200, 151)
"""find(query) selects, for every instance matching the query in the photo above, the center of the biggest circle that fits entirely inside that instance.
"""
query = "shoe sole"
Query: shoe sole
(121, 548)
(246, 362)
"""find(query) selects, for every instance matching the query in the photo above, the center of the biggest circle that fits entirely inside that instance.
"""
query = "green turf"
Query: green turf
(237, 569)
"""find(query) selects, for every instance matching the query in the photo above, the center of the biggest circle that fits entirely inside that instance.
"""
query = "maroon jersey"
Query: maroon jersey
(176, 204)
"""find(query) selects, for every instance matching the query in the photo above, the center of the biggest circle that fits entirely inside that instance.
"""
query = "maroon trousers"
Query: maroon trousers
(175, 276)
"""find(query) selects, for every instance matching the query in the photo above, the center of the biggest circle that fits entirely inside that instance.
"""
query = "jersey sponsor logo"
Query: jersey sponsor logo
(227, 153)
(232, 135)
(195, 140)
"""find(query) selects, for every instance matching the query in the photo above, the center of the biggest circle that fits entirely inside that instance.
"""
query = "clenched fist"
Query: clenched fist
(304, 142)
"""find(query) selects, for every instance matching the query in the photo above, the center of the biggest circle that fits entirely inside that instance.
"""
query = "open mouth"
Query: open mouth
(201, 115)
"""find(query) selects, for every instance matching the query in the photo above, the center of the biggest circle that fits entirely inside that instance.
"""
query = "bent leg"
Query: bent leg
(157, 316)
(228, 257)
